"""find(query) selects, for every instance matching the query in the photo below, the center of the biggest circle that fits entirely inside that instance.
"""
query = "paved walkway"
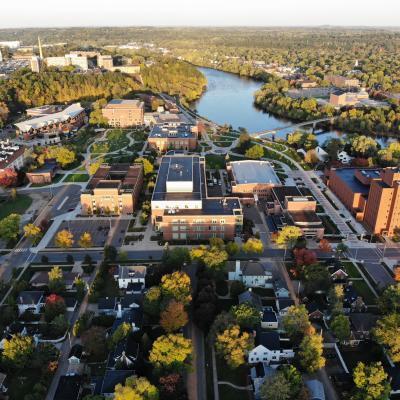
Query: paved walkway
(249, 387)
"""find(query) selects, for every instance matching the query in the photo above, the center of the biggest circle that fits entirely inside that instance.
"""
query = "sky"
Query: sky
(47, 13)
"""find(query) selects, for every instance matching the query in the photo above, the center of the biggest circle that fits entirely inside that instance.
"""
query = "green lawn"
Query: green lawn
(273, 155)
(117, 139)
(236, 376)
(77, 178)
(223, 144)
(214, 161)
(19, 205)
(365, 292)
(351, 269)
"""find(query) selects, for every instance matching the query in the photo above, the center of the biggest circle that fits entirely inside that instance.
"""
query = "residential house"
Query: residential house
(252, 298)
(338, 275)
(126, 274)
(75, 354)
(69, 388)
(107, 305)
(258, 374)
(315, 311)
(361, 325)
(41, 279)
(43, 174)
(134, 317)
(30, 301)
(125, 354)
(352, 301)
(281, 290)
(283, 305)
(70, 303)
(269, 349)
(112, 378)
(252, 274)
(269, 319)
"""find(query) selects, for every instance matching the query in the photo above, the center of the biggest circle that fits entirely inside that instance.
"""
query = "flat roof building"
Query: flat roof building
(181, 208)
(50, 126)
(251, 177)
(113, 189)
(180, 137)
(298, 209)
(372, 195)
(342, 81)
(124, 113)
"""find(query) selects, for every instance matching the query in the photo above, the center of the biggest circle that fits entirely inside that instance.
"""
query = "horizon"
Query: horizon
(208, 13)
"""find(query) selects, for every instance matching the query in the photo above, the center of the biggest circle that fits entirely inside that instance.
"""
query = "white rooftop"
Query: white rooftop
(40, 122)
(252, 171)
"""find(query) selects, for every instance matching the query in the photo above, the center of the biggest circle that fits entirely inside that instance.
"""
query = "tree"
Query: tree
(176, 258)
(94, 166)
(9, 227)
(172, 387)
(221, 322)
(296, 322)
(325, 246)
(317, 279)
(110, 253)
(58, 326)
(32, 231)
(80, 286)
(212, 257)
(311, 157)
(94, 343)
(246, 315)
(86, 240)
(171, 352)
(82, 323)
(8, 177)
(253, 245)
(148, 167)
(121, 333)
(288, 236)
(55, 305)
(304, 257)
(387, 333)
(135, 388)
(18, 350)
(364, 146)
(232, 248)
(4, 112)
(275, 387)
(177, 286)
(310, 352)
(237, 287)
(371, 382)
(389, 302)
(340, 326)
(173, 317)
(64, 239)
(333, 146)
(294, 380)
(233, 346)
(56, 280)
(341, 249)
(255, 152)
(152, 301)
(61, 154)
(336, 295)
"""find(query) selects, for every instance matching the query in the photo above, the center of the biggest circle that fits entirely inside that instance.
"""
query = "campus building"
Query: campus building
(288, 206)
(75, 60)
(180, 137)
(12, 156)
(105, 61)
(372, 196)
(341, 98)
(124, 113)
(48, 127)
(181, 208)
(113, 189)
(251, 179)
(342, 81)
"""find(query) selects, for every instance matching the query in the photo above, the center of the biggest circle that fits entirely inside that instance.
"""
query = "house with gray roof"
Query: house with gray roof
(251, 273)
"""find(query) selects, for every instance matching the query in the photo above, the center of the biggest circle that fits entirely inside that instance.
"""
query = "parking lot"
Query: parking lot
(99, 229)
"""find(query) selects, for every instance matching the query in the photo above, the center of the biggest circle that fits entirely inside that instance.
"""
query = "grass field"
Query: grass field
(365, 292)
(230, 393)
(19, 205)
(214, 161)
(351, 269)
(236, 376)
(77, 178)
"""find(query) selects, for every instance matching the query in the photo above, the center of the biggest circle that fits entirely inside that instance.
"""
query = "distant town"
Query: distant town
(151, 252)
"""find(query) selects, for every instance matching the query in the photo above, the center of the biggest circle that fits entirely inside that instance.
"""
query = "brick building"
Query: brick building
(251, 179)
(372, 195)
(181, 208)
(43, 174)
(180, 137)
(342, 81)
(12, 156)
(341, 98)
(288, 206)
(124, 113)
(113, 189)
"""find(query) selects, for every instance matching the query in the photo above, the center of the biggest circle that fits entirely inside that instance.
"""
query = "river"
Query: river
(229, 100)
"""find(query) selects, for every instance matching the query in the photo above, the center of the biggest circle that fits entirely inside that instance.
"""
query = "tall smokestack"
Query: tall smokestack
(40, 48)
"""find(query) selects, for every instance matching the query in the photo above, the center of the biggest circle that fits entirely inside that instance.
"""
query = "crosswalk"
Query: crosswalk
(21, 250)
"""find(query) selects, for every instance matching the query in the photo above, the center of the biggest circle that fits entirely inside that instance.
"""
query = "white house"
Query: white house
(321, 153)
(252, 274)
(30, 301)
(283, 305)
(343, 157)
(125, 275)
(269, 349)
(281, 291)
